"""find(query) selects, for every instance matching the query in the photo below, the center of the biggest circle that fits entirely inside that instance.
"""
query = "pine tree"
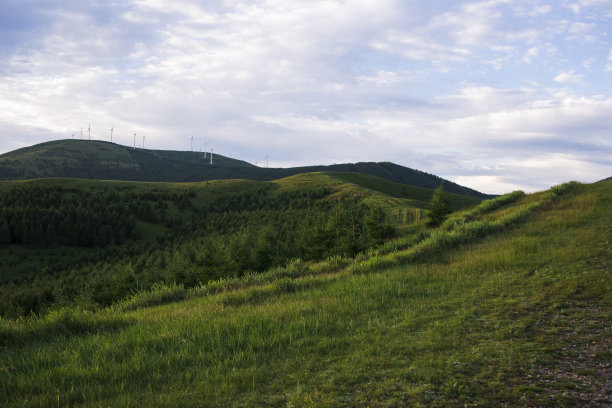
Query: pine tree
(377, 225)
(439, 207)
(5, 233)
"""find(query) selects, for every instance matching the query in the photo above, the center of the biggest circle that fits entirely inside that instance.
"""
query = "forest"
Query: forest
(95, 243)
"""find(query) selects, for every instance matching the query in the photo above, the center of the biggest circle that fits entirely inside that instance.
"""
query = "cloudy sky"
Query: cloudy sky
(495, 95)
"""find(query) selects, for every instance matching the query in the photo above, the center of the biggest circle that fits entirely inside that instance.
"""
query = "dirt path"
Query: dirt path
(580, 372)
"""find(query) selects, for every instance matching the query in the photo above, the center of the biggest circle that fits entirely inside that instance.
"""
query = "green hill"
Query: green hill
(108, 161)
(58, 236)
(508, 303)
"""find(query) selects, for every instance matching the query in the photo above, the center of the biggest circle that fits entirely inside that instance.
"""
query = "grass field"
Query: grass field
(508, 305)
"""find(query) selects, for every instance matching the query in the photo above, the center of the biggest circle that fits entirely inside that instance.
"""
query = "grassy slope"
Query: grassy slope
(415, 196)
(404, 204)
(488, 323)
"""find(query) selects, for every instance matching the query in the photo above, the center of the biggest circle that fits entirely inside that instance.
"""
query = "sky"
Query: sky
(496, 95)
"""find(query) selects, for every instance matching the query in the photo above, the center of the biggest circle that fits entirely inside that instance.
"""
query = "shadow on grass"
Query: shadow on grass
(257, 295)
(61, 323)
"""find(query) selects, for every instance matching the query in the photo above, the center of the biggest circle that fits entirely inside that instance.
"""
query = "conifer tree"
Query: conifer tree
(439, 207)
(5, 233)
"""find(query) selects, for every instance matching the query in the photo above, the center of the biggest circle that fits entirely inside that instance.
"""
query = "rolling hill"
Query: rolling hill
(59, 235)
(107, 161)
(506, 304)
(319, 289)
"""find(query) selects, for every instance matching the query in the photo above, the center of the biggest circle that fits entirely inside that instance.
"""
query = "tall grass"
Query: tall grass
(452, 333)
(66, 321)
(462, 231)
(493, 204)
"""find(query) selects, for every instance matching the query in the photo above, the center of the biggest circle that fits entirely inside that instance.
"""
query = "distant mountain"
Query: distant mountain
(108, 161)
(386, 170)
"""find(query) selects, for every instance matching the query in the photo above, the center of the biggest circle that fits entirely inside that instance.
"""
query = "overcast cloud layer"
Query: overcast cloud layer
(495, 95)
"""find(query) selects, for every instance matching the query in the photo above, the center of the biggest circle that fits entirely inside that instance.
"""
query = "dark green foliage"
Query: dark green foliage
(137, 236)
(51, 216)
(376, 225)
(5, 232)
(439, 207)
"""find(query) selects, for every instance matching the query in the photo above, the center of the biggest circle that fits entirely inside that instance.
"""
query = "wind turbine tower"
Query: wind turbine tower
(89, 131)
(211, 154)
(204, 149)
(192, 143)
(134, 141)
(111, 135)
(144, 139)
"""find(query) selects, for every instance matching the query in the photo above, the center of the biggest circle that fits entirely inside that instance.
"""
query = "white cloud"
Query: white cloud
(570, 77)
(540, 169)
(595, 3)
(501, 127)
(529, 36)
(527, 10)
(588, 64)
(582, 32)
(493, 184)
(420, 48)
(581, 28)
(531, 54)
(473, 24)
(452, 89)
(575, 7)
(539, 10)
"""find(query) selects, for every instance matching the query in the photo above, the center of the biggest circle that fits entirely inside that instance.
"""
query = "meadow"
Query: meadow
(506, 304)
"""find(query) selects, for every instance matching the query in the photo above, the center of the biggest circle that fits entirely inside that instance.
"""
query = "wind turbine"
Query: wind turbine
(211, 154)
(144, 139)
(204, 149)
(111, 135)
(267, 160)
(89, 131)
(134, 141)
(192, 143)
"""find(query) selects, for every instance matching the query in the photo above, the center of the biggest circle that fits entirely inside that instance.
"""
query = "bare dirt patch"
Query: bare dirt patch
(580, 372)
